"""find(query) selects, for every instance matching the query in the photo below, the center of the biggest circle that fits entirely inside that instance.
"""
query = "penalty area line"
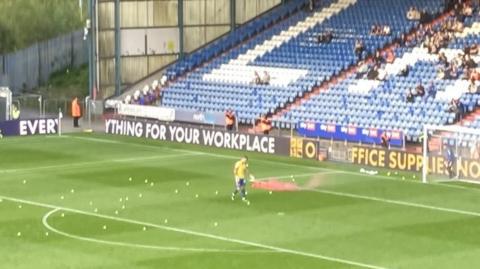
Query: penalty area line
(47, 225)
(198, 234)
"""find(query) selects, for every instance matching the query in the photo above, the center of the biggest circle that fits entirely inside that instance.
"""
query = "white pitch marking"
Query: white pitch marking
(200, 234)
(133, 245)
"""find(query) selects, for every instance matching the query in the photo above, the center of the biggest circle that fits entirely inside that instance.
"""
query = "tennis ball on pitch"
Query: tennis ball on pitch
(72, 191)
(270, 192)
(187, 183)
(216, 192)
(388, 173)
(396, 173)
(403, 178)
(196, 195)
(19, 234)
(120, 200)
(215, 224)
(46, 233)
(19, 206)
(95, 210)
(62, 215)
(123, 206)
(248, 202)
(140, 195)
(165, 221)
(414, 176)
(176, 191)
(1, 200)
(144, 228)
(104, 227)
(126, 198)
(146, 181)
(151, 184)
(116, 212)
(24, 181)
(129, 179)
(62, 197)
(90, 203)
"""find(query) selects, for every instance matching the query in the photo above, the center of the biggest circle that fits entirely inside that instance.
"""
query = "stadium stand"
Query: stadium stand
(289, 52)
(377, 103)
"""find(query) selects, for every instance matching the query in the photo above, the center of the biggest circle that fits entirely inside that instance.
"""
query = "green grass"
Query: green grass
(348, 218)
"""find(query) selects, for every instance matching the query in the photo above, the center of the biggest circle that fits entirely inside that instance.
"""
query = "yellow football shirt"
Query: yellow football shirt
(240, 169)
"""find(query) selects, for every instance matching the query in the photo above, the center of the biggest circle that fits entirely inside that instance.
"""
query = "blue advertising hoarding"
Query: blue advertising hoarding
(200, 117)
(349, 133)
(28, 127)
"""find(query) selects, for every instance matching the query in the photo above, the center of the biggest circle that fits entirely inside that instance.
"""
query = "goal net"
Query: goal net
(450, 153)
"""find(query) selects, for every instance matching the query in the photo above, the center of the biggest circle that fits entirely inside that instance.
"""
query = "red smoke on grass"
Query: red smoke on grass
(274, 184)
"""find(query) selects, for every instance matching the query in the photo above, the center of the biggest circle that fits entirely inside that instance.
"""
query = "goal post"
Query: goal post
(450, 153)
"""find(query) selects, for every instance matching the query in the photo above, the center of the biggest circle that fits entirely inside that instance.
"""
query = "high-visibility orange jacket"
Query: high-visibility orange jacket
(229, 119)
(76, 108)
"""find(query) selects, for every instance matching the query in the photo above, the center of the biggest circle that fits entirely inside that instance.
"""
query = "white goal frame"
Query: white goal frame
(446, 128)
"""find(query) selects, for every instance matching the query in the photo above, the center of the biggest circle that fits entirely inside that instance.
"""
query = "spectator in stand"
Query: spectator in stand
(359, 48)
(266, 78)
(128, 99)
(460, 60)
(376, 29)
(362, 69)
(325, 37)
(475, 75)
(473, 49)
(456, 107)
(230, 120)
(472, 87)
(413, 14)
(378, 58)
(404, 71)
(386, 30)
(373, 73)
(409, 97)
(442, 72)
(411, 40)
(420, 90)
(390, 56)
(163, 80)
(443, 59)
(256, 79)
(431, 91)
(265, 124)
(385, 140)
(469, 62)
(452, 72)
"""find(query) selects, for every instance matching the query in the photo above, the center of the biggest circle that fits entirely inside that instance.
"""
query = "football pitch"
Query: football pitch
(100, 201)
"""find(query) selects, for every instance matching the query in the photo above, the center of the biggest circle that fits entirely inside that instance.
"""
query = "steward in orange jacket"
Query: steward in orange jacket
(76, 113)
